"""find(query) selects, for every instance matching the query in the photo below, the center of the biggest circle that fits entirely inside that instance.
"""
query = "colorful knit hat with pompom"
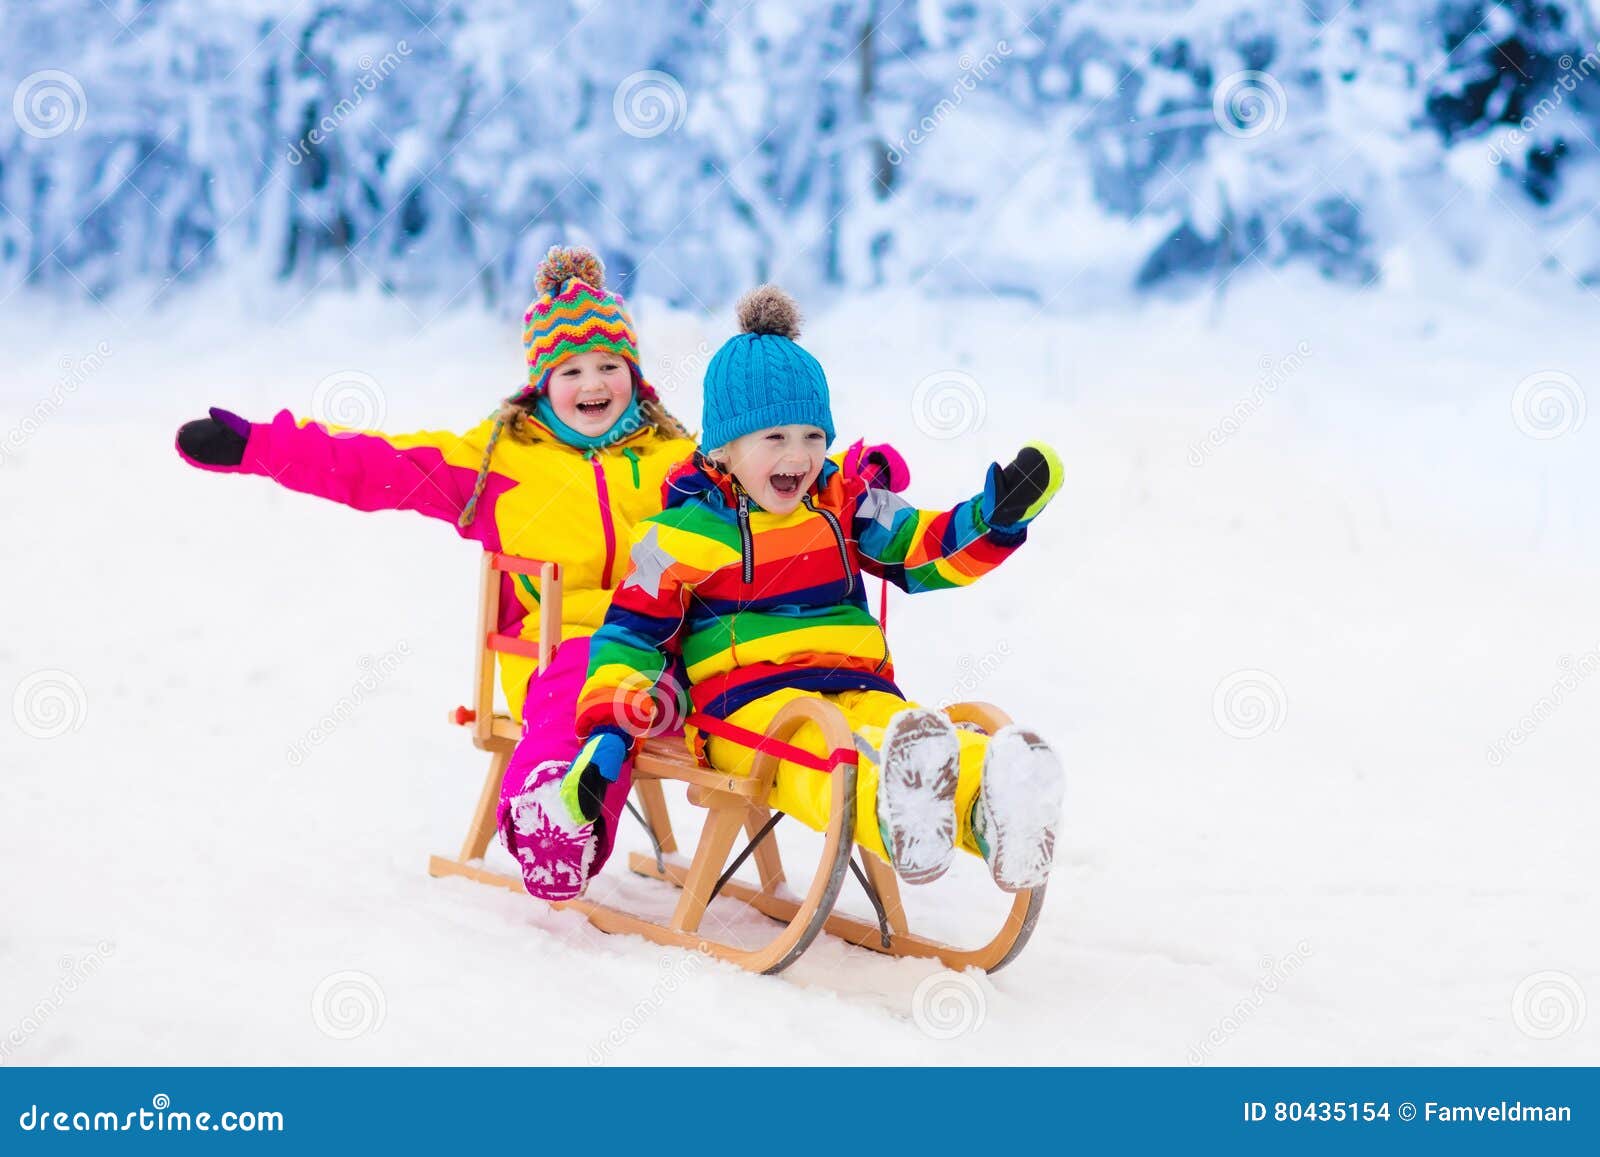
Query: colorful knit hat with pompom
(573, 313)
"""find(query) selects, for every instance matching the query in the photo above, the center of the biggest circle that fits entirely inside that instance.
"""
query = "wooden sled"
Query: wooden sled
(732, 804)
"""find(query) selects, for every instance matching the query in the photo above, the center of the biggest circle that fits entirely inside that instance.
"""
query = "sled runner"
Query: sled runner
(732, 804)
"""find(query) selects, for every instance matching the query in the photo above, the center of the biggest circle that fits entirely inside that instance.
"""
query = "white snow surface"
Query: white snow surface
(1275, 679)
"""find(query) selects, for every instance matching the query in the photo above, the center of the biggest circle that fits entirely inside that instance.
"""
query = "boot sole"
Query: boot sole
(918, 767)
(1020, 807)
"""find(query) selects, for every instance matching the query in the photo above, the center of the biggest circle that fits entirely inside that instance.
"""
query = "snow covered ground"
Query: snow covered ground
(1279, 677)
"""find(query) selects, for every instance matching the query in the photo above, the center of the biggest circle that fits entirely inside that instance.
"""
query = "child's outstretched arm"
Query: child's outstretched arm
(925, 550)
(432, 472)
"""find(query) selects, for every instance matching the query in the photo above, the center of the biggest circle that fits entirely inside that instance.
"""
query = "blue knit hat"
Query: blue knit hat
(761, 378)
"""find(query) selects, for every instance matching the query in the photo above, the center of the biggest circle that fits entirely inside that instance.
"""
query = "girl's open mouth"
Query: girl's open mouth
(787, 485)
(594, 408)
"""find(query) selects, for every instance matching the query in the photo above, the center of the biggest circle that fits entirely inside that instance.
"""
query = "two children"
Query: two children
(751, 575)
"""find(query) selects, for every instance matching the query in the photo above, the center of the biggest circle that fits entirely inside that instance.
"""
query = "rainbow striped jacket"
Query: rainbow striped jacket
(753, 601)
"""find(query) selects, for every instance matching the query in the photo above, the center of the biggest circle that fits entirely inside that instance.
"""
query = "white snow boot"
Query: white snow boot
(917, 771)
(1019, 808)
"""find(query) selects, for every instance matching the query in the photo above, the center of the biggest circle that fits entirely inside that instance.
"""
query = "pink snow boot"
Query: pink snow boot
(555, 853)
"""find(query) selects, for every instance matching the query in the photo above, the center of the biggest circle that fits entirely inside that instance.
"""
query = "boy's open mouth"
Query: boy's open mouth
(594, 408)
(787, 485)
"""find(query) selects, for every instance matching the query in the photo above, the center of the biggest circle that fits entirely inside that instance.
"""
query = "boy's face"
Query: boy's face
(589, 391)
(778, 465)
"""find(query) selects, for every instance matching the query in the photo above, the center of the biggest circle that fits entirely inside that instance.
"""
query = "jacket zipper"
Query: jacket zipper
(603, 494)
(838, 537)
(747, 548)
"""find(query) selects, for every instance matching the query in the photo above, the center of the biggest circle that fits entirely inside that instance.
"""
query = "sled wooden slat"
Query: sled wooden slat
(865, 933)
(733, 805)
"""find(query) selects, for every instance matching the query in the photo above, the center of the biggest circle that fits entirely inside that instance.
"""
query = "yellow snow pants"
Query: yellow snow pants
(806, 793)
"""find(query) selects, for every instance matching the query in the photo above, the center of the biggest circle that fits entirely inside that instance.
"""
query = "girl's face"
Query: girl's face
(589, 391)
(777, 465)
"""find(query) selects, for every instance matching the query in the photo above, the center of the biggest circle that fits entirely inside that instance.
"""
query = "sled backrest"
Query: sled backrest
(491, 640)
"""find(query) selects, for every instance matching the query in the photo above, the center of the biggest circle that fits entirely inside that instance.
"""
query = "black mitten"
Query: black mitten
(215, 441)
(1014, 494)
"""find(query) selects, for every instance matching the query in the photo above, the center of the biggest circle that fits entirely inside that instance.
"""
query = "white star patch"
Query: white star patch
(650, 562)
(881, 506)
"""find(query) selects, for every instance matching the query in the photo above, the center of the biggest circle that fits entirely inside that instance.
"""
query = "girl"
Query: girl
(562, 470)
(752, 574)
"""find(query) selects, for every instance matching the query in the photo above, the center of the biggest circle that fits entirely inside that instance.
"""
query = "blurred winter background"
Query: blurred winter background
(1304, 291)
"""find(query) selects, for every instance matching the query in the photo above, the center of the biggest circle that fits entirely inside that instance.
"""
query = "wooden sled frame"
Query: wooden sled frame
(732, 804)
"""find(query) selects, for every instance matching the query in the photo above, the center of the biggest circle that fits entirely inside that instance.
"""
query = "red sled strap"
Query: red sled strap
(755, 741)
